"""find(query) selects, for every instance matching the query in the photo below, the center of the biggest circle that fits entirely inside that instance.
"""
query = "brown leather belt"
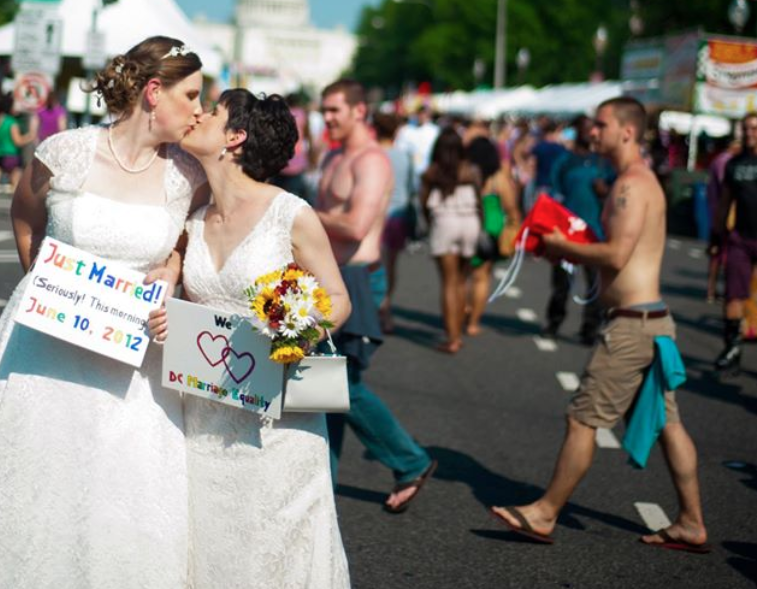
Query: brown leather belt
(373, 266)
(637, 313)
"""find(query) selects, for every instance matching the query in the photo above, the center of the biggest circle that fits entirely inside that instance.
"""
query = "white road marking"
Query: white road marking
(568, 381)
(513, 292)
(527, 315)
(6, 235)
(653, 515)
(8, 257)
(674, 244)
(545, 345)
(696, 254)
(606, 439)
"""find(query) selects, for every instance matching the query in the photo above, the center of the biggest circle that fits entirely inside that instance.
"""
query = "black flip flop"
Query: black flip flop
(525, 528)
(417, 482)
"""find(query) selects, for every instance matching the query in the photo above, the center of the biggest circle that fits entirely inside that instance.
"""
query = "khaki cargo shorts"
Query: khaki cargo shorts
(616, 370)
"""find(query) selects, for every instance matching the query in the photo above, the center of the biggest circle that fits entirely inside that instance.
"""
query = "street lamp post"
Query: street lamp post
(635, 22)
(522, 59)
(600, 45)
(479, 68)
(738, 14)
(500, 46)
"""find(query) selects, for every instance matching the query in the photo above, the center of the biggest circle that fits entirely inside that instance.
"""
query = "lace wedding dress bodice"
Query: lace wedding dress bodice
(92, 452)
(255, 483)
(134, 235)
(267, 247)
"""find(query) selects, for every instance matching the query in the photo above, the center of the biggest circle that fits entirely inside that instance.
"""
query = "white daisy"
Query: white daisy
(289, 329)
(307, 284)
(290, 299)
(301, 313)
(263, 328)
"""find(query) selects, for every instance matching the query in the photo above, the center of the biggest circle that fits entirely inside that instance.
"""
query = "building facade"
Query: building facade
(273, 47)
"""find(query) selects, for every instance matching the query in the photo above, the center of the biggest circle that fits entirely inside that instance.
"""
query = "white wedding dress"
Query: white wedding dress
(93, 482)
(262, 511)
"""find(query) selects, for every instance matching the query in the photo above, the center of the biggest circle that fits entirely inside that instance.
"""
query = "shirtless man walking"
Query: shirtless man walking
(353, 196)
(629, 264)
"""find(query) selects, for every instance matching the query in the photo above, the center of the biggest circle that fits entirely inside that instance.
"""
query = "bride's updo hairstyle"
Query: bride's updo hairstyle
(121, 82)
(271, 131)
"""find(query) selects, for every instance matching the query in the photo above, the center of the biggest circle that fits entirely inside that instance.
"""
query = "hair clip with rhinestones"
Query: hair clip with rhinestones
(177, 51)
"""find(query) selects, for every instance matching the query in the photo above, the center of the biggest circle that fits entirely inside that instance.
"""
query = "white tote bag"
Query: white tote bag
(317, 384)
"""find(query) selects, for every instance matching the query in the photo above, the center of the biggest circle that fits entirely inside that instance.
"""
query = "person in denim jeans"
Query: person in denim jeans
(353, 197)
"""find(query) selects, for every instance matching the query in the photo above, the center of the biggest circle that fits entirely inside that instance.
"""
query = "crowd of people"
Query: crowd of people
(21, 132)
(113, 477)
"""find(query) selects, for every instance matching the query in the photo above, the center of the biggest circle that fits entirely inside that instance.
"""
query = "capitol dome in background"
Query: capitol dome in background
(273, 47)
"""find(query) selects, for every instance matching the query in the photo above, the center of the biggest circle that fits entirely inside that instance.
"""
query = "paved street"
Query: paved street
(493, 417)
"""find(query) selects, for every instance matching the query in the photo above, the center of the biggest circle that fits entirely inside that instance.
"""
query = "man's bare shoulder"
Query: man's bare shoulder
(372, 157)
(639, 182)
(374, 153)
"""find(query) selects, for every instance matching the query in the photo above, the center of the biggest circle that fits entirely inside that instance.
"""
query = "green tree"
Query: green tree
(438, 41)
(8, 10)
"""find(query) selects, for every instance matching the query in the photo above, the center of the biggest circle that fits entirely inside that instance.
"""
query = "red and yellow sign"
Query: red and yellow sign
(727, 77)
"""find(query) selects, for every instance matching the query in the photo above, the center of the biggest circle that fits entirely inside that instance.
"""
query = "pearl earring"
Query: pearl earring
(223, 153)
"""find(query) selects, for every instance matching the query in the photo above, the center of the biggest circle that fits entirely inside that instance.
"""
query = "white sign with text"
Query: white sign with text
(218, 356)
(90, 302)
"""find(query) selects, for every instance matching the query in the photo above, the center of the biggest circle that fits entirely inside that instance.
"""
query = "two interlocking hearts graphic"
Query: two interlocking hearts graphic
(216, 349)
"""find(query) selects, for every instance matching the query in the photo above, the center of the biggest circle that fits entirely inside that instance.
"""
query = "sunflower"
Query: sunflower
(322, 301)
(266, 279)
(293, 274)
(287, 354)
(263, 302)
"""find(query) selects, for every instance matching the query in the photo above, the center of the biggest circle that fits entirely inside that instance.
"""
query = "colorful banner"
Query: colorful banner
(90, 302)
(726, 77)
(218, 356)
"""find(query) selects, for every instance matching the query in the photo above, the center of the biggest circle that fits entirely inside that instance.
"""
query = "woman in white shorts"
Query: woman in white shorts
(449, 193)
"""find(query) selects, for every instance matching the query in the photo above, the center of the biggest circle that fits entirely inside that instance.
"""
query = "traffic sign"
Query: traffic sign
(38, 37)
(30, 91)
(95, 55)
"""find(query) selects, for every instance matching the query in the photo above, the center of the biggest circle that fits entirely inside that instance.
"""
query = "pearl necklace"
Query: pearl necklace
(122, 165)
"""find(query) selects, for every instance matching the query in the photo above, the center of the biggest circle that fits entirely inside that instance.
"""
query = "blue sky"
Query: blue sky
(323, 13)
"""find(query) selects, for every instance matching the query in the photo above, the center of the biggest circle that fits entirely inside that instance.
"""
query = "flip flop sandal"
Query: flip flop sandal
(671, 543)
(525, 528)
(417, 482)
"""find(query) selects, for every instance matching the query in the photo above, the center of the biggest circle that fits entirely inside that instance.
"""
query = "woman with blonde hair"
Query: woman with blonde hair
(92, 451)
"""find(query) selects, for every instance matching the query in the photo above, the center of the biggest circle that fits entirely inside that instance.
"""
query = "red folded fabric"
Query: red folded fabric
(546, 215)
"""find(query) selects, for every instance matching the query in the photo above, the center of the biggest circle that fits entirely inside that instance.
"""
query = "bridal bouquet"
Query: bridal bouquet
(288, 306)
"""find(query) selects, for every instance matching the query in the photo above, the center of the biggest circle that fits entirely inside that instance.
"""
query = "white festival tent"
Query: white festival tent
(125, 23)
(560, 100)
(684, 123)
(572, 99)
(506, 101)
